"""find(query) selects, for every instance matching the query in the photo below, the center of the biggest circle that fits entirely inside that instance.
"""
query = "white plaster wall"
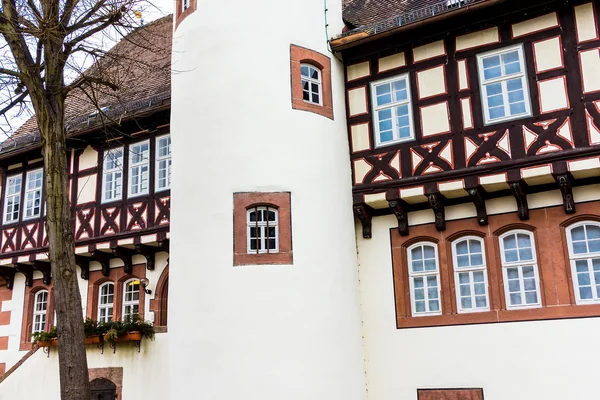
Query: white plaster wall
(262, 332)
(523, 360)
(143, 373)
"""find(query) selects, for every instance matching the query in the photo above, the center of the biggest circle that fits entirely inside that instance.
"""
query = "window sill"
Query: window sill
(497, 316)
(263, 259)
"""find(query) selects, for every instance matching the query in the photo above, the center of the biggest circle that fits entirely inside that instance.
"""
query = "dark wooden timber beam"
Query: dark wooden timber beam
(477, 196)
(44, 268)
(398, 208)
(9, 276)
(126, 255)
(163, 245)
(364, 213)
(148, 252)
(564, 180)
(519, 191)
(84, 264)
(103, 259)
(26, 270)
(436, 203)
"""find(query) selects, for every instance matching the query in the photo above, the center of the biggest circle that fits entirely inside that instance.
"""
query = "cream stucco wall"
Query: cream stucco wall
(519, 361)
(262, 332)
(152, 356)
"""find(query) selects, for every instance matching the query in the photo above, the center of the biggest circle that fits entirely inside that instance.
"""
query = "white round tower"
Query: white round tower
(268, 332)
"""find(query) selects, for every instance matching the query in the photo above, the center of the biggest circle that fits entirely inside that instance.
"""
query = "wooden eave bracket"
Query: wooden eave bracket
(45, 269)
(148, 252)
(436, 202)
(126, 255)
(565, 184)
(103, 259)
(398, 208)
(519, 191)
(364, 213)
(84, 264)
(26, 270)
(9, 276)
(477, 196)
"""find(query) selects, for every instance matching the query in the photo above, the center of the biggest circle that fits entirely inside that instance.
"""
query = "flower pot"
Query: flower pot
(48, 343)
(94, 339)
(130, 337)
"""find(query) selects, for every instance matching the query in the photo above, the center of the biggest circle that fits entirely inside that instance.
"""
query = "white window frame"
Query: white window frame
(392, 106)
(483, 82)
(16, 195)
(42, 314)
(424, 274)
(185, 4)
(520, 265)
(106, 306)
(168, 159)
(140, 164)
(470, 270)
(583, 256)
(130, 303)
(33, 192)
(262, 226)
(311, 80)
(113, 173)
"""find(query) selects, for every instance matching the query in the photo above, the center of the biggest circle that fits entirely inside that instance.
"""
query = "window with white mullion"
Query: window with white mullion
(311, 84)
(263, 230)
(503, 81)
(12, 198)
(131, 299)
(392, 110)
(163, 162)
(40, 307)
(106, 298)
(584, 253)
(424, 279)
(520, 270)
(33, 194)
(139, 165)
(470, 274)
(112, 175)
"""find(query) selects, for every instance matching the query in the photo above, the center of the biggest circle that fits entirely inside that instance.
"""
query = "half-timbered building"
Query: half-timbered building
(474, 129)
(119, 152)
(374, 199)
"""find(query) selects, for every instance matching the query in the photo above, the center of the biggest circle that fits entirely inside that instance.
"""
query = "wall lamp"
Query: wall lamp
(145, 282)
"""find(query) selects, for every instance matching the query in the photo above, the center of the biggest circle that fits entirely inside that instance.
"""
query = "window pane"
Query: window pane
(517, 108)
(418, 282)
(462, 247)
(480, 301)
(419, 294)
(523, 240)
(585, 293)
(531, 297)
(593, 231)
(304, 70)
(430, 265)
(515, 299)
(525, 254)
(465, 302)
(511, 256)
(578, 233)
(579, 247)
(477, 259)
(434, 305)
(465, 290)
(463, 261)
(420, 306)
(478, 276)
(594, 246)
(479, 288)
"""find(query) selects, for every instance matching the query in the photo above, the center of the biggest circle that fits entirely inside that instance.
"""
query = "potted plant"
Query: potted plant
(131, 330)
(45, 339)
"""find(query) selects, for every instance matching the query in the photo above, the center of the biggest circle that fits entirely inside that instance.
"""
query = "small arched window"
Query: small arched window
(470, 274)
(424, 275)
(263, 232)
(131, 299)
(40, 307)
(520, 270)
(106, 301)
(311, 84)
(584, 254)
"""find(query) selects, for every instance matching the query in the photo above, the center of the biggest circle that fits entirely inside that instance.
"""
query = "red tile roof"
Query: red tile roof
(140, 65)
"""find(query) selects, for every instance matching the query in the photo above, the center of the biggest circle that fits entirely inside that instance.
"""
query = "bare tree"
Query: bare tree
(46, 48)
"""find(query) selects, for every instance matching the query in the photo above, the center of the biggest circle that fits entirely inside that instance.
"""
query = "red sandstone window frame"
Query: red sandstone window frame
(548, 226)
(244, 201)
(28, 306)
(181, 13)
(299, 56)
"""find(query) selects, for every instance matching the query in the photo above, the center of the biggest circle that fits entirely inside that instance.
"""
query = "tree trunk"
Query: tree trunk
(73, 368)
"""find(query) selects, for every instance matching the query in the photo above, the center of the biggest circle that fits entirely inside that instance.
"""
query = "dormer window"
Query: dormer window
(311, 84)
(392, 110)
(12, 201)
(163, 162)
(185, 4)
(33, 194)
